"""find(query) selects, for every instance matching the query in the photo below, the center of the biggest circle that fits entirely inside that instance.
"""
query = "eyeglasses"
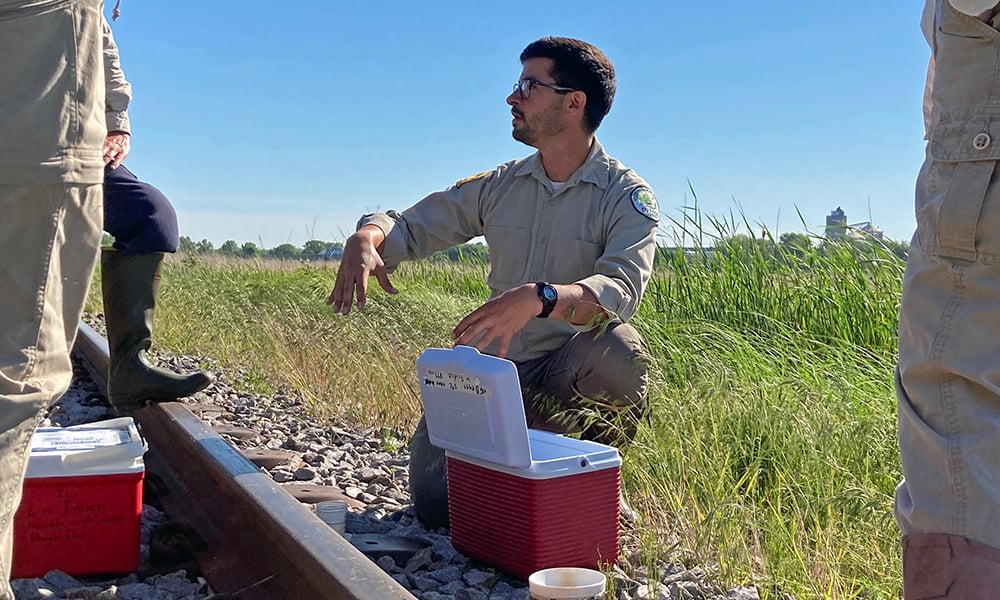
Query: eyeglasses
(525, 86)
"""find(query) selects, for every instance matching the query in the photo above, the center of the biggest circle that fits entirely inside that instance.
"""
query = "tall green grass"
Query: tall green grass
(772, 450)
(770, 456)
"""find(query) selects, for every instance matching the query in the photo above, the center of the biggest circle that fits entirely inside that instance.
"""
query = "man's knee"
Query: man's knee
(616, 367)
(604, 396)
(616, 386)
(138, 215)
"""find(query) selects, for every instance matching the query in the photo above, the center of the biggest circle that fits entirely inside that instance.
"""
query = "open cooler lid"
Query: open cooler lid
(107, 447)
(473, 405)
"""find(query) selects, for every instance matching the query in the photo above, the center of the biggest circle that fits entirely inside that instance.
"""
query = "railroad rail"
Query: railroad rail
(260, 543)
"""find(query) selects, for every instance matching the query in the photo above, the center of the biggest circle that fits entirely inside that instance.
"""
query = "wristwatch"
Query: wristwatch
(548, 295)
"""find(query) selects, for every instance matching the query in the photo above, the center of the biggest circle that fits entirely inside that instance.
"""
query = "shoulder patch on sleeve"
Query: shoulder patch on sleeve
(645, 203)
(462, 182)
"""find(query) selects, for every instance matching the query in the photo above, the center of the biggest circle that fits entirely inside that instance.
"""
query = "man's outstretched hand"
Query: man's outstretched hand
(360, 261)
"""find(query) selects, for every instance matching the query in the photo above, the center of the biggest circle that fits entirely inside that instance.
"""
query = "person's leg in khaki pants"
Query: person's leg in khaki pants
(51, 135)
(948, 386)
(49, 236)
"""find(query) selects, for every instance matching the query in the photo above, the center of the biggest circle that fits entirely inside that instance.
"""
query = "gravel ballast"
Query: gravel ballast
(369, 469)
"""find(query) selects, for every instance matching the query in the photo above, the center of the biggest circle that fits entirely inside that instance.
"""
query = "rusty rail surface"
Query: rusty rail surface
(260, 542)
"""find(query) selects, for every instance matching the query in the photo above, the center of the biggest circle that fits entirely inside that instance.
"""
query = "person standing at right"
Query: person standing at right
(52, 131)
(948, 374)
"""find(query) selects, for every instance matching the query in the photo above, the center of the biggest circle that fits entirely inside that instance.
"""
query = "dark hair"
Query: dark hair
(580, 66)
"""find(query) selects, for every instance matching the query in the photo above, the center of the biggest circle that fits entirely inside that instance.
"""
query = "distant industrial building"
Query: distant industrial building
(836, 225)
(837, 228)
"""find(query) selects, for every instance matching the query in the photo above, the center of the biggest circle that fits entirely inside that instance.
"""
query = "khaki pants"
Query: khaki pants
(948, 376)
(51, 131)
(52, 123)
(49, 238)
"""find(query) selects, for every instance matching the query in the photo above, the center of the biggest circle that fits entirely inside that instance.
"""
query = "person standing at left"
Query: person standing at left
(52, 133)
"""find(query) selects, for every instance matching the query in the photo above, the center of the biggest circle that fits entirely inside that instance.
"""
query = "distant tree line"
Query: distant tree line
(788, 245)
(311, 250)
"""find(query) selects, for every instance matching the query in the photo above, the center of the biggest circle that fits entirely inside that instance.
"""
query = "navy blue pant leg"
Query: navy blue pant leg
(138, 215)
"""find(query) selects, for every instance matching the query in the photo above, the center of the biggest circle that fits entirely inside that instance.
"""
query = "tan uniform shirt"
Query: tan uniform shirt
(34, 149)
(118, 91)
(598, 231)
(930, 16)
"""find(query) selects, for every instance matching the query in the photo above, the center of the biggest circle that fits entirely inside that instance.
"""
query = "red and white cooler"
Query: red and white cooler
(82, 502)
(520, 499)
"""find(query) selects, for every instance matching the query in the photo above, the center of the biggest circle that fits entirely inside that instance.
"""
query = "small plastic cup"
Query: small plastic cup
(333, 513)
(566, 583)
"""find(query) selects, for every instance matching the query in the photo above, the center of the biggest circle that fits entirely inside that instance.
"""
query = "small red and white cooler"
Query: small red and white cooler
(520, 499)
(82, 502)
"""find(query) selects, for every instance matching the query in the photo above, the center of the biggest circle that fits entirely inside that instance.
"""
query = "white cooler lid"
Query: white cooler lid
(473, 405)
(106, 447)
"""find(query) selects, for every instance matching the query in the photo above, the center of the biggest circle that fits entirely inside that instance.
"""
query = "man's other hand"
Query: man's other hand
(499, 319)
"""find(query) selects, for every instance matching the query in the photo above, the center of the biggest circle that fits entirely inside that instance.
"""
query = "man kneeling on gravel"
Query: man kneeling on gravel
(571, 235)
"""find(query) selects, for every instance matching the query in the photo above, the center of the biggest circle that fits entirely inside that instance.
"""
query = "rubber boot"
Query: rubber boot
(130, 283)
(938, 566)
(428, 479)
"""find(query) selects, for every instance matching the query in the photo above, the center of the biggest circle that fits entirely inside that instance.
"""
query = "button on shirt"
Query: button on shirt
(591, 232)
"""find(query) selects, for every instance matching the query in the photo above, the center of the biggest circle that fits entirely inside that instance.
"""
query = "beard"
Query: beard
(523, 134)
(545, 124)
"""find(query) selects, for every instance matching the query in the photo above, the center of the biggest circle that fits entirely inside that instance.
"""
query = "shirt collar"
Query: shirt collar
(595, 169)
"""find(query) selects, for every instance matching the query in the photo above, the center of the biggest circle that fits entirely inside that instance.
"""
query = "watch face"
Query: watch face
(549, 292)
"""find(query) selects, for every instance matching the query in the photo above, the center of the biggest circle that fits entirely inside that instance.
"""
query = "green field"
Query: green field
(771, 456)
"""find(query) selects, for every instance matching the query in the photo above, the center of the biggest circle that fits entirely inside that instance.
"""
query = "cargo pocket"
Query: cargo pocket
(958, 200)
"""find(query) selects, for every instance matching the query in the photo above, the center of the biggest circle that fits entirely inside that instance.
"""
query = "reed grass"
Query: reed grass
(770, 457)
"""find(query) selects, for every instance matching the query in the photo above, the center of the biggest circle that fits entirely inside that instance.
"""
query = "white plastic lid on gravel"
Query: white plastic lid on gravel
(566, 583)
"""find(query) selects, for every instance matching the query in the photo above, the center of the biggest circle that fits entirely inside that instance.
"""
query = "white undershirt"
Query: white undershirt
(557, 186)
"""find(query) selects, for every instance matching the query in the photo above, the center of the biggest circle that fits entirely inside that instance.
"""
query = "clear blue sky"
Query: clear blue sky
(278, 122)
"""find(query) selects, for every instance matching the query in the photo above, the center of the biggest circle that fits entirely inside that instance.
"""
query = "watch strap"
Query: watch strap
(547, 294)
